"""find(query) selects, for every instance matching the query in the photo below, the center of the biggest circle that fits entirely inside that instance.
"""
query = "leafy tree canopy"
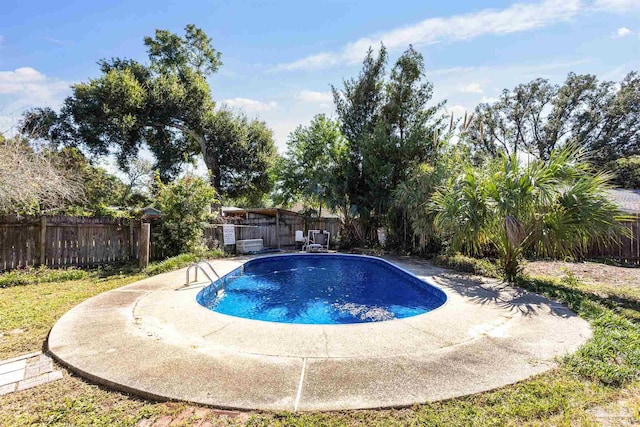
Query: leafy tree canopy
(626, 171)
(313, 167)
(413, 195)
(388, 124)
(246, 153)
(538, 117)
(166, 106)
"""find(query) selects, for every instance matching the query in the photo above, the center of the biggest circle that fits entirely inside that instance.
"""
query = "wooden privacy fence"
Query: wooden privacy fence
(332, 225)
(60, 241)
(629, 249)
(64, 241)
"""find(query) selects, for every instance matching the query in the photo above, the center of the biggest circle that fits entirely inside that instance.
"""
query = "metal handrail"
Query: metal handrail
(198, 266)
(211, 268)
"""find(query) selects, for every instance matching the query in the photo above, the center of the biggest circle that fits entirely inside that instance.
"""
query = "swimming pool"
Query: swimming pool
(321, 289)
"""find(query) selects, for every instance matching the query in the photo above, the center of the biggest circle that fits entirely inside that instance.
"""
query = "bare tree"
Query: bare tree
(30, 183)
(138, 178)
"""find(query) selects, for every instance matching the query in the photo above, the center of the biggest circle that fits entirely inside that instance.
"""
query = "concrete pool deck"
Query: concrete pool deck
(151, 338)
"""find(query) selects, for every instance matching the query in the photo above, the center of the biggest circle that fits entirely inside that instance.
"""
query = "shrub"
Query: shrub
(465, 264)
(627, 171)
(552, 208)
(186, 207)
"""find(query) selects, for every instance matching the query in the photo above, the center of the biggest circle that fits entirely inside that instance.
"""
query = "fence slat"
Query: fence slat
(627, 251)
(59, 241)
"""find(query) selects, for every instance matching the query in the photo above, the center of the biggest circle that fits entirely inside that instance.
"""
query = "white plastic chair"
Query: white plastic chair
(320, 239)
(310, 239)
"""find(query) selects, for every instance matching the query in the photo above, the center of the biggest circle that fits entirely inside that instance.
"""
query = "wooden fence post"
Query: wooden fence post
(278, 228)
(143, 251)
(132, 245)
(43, 240)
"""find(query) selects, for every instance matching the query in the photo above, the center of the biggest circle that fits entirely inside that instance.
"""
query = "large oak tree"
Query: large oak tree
(536, 117)
(167, 106)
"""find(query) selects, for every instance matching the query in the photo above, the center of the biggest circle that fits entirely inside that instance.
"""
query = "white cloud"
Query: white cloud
(488, 99)
(616, 5)
(315, 97)
(312, 62)
(621, 32)
(457, 110)
(56, 41)
(515, 18)
(25, 88)
(447, 71)
(472, 88)
(283, 127)
(19, 79)
(251, 105)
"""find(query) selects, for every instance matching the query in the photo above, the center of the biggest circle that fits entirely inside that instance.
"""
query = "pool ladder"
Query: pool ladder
(200, 265)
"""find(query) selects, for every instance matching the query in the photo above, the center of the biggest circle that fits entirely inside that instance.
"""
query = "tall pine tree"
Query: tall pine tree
(389, 125)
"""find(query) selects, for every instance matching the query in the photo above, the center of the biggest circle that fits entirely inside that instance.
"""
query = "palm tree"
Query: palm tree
(550, 208)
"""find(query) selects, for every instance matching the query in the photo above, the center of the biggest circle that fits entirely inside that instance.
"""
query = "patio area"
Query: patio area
(152, 339)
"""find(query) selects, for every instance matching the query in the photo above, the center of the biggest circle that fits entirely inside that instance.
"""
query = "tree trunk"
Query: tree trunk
(210, 160)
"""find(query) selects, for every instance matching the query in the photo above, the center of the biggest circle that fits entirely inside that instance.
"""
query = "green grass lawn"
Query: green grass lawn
(28, 312)
(602, 373)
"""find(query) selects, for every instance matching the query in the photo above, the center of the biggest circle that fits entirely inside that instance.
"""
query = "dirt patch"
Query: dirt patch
(588, 272)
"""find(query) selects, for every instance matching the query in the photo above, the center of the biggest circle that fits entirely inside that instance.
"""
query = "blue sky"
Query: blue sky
(281, 57)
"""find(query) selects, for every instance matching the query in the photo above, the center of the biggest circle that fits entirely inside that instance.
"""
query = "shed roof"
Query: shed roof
(230, 210)
(627, 199)
(148, 210)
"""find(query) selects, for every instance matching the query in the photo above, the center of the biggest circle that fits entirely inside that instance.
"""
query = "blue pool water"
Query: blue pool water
(321, 289)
